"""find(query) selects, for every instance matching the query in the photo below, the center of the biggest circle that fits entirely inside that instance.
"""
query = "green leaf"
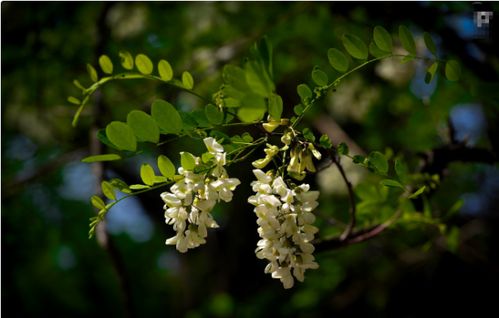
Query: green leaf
(121, 135)
(105, 64)
(355, 46)
(452, 70)
(120, 185)
(97, 158)
(382, 38)
(430, 73)
(407, 40)
(358, 159)
(144, 64)
(379, 162)
(249, 115)
(308, 134)
(319, 77)
(92, 72)
(74, 100)
(342, 149)
(143, 125)
(391, 183)
(428, 41)
(453, 239)
(325, 142)
(147, 174)
(187, 80)
(401, 170)
(126, 60)
(139, 187)
(166, 167)
(166, 116)
(108, 190)
(338, 60)
(78, 85)
(275, 106)
(165, 70)
(187, 161)
(258, 79)
(376, 51)
(298, 109)
(304, 92)
(417, 193)
(214, 114)
(97, 202)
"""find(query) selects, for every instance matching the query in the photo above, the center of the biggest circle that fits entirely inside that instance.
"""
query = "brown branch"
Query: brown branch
(356, 237)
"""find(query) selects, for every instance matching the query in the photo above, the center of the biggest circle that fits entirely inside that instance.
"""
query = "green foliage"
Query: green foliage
(143, 125)
(382, 39)
(407, 40)
(430, 73)
(319, 77)
(325, 142)
(166, 116)
(97, 158)
(378, 162)
(108, 190)
(304, 92)
(121, 135)
(342, 149)
(105, 64)
(126, 60)
(97, 202)
(187, 161)
(165, 70)
(166, 167)
(144, 64)
(214, 114)
(147, 174)
(430, 44)
(355, 46)
(391, 183)
(92, 73)
(275, 106)
(452, 70)
(187, 80)
(338, 60)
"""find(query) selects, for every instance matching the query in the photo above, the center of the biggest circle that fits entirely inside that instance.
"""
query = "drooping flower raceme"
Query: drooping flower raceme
(285, 221)
(189, 202)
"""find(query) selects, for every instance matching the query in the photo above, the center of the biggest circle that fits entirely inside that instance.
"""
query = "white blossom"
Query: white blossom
(189, 202)
(285, 227)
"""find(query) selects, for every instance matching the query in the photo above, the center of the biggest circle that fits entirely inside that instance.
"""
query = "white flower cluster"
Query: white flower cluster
(192, 198)
(285, 226)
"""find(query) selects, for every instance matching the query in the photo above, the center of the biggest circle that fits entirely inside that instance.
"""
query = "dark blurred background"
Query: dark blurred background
(50, 267)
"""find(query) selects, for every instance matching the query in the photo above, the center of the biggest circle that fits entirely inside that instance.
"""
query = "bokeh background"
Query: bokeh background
(50, 267)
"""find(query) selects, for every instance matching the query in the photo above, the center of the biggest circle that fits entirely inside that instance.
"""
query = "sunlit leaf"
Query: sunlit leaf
(97, 158)
(187, 80)
(338, 60)
(166, 116)
(452, 70)
(139, 187)
(382, 38)
(249, 115)
(275, 106)
(105, 64)
(417, 193)
(97, 202)
(74, 100)
(166, 167)
(379, 162)
(430, 73)
(407, 40)
(430, 44)
(355, 46)
(92, 73)
(121, 135)
(319, 77)
(214, 114)
(187, 161)
(126, 60)
(258, 79)
(120, 185)
(165, 70)
(144, 64)
(143, 125)
(147, 174)
(108, 190)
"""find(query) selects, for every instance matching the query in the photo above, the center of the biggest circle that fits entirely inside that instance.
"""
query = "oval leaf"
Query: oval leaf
(391, 183)
(74, 100)
(417, 193)
(92, 72)
(121, 135)
(376, 51)
(97, 202)
(452, 70)
(143, 125)
(97, 158)
(144, 64)
(188, 161)
(304, 91)
(379, 162)
(126, 60)
(139, 187)
(167, 117)
(430, 73)
(165, 70)
(355, 46)
(275, 106)
(383, 39)
(187, 80)
(105, 64)
(407, 40)
(338, 60)
(214, 114)
(401, 170)
(166, 167)
(319, 77)
(108, 190)
(147, 174)
(430, 44)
